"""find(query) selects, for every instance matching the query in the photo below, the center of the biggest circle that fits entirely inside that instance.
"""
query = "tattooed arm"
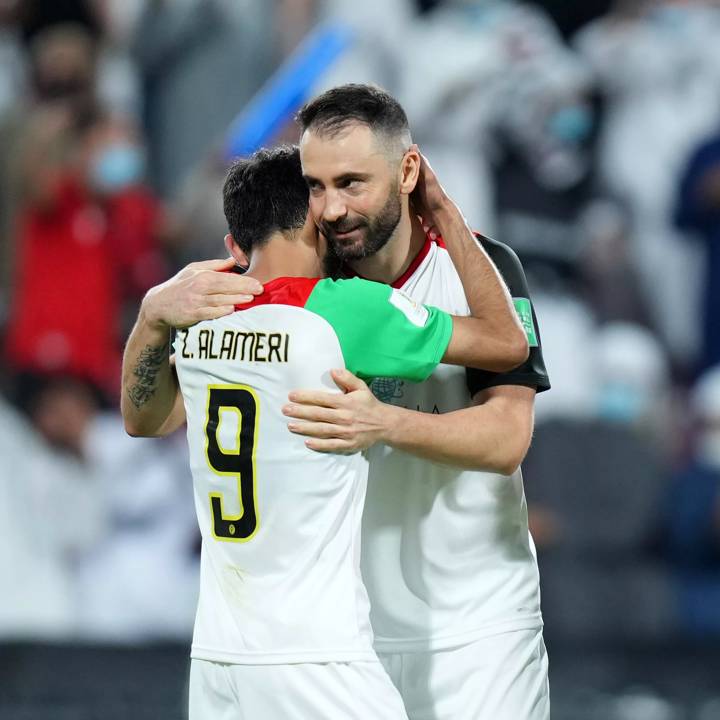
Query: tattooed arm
(151, 402)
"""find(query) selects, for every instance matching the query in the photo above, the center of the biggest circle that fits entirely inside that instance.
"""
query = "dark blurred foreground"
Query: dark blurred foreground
(667, 681)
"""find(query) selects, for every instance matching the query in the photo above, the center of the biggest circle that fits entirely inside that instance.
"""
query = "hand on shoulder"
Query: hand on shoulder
(201, 291)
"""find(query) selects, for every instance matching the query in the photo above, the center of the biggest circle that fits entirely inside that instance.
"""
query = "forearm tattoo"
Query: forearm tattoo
(146, 372)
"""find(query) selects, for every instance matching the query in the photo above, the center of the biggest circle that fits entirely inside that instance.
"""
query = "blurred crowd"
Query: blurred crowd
(587, 138)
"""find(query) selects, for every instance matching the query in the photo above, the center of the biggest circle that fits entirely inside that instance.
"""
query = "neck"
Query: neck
(284, 257)
(389, 263)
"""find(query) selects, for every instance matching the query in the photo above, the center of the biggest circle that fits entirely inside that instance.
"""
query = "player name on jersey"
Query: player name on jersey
(240, 345)
(280, 577)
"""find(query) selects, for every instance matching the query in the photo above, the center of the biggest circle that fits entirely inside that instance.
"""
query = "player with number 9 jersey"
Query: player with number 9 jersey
(280, 578)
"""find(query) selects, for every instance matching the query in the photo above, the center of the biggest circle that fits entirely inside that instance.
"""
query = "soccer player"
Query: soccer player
(282, 628)
(447, 558)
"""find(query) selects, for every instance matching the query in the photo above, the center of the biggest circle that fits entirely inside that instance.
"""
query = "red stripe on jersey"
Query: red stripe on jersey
(441, 243)
(283, 291)
(414, 265)
(397, 284)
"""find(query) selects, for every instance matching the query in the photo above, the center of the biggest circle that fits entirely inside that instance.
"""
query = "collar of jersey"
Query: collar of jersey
(283, 291)
(414, 265)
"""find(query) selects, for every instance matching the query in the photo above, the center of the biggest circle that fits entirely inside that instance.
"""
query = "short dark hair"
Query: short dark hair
(332, 111)
(263, 194)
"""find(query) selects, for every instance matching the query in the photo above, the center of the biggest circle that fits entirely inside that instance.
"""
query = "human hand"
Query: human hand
(200, 291)
(338, 422)
(429, 197)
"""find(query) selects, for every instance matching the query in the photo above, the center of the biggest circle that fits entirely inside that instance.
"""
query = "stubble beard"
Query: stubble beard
(375, 234)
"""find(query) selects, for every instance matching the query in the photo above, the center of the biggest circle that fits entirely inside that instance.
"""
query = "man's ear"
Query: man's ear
(240, 257)
(409, 170)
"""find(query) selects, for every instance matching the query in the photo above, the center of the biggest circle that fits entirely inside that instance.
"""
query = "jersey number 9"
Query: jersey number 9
(238, 462)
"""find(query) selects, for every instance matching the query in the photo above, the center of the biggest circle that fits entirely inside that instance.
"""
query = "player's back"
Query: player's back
(280, 567)
(280, 578)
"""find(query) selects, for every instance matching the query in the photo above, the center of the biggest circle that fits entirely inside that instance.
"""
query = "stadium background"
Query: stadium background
(585, 135)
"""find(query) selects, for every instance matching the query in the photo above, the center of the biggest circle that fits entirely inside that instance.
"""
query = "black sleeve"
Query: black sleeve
(532, 372)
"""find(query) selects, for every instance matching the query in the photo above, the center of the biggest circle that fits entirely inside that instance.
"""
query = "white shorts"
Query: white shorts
(502, 677)
(305, 691)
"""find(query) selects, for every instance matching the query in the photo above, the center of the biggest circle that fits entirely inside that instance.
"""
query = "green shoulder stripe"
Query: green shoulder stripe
(382, 332)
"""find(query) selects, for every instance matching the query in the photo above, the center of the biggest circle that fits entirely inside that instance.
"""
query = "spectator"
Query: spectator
(139, 581)
(694, 515)
(487, 67)
(49, 513)
(97, 530)
(64, 68)
(374, 56)
(567, 322)
(37, 16)
(609, 278)
(595, 487)
(86, 244)
(118, 82)
(656, 64)
(698, 211)
(62, 76)
(633, 389)
(200, 61)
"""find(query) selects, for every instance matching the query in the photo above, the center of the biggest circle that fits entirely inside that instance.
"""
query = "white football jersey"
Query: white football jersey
(447, 556)
(280, 578)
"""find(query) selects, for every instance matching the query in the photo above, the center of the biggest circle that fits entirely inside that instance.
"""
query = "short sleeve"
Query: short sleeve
(382, 332)
(532, 372)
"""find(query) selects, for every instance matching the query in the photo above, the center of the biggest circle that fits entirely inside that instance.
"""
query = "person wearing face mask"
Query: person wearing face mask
(59, 97)
(633, 375)
(87, 242)
(117, 166)
(113, 156)
(694, 516)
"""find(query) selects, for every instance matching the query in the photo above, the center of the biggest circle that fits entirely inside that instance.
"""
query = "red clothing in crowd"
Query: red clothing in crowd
(77, 263)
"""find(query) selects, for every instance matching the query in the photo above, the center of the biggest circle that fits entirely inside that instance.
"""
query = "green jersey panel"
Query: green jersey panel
(382, 332)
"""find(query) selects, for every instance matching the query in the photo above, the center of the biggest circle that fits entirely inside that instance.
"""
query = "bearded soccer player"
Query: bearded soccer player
(447, 558)
(282, 628)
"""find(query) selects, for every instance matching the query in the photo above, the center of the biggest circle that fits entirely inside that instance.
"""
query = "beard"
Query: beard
(373, 233)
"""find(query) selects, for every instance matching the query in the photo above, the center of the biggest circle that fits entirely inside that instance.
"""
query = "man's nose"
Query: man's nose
(335, 208)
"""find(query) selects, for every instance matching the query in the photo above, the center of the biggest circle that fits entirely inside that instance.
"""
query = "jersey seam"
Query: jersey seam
(440, 350)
